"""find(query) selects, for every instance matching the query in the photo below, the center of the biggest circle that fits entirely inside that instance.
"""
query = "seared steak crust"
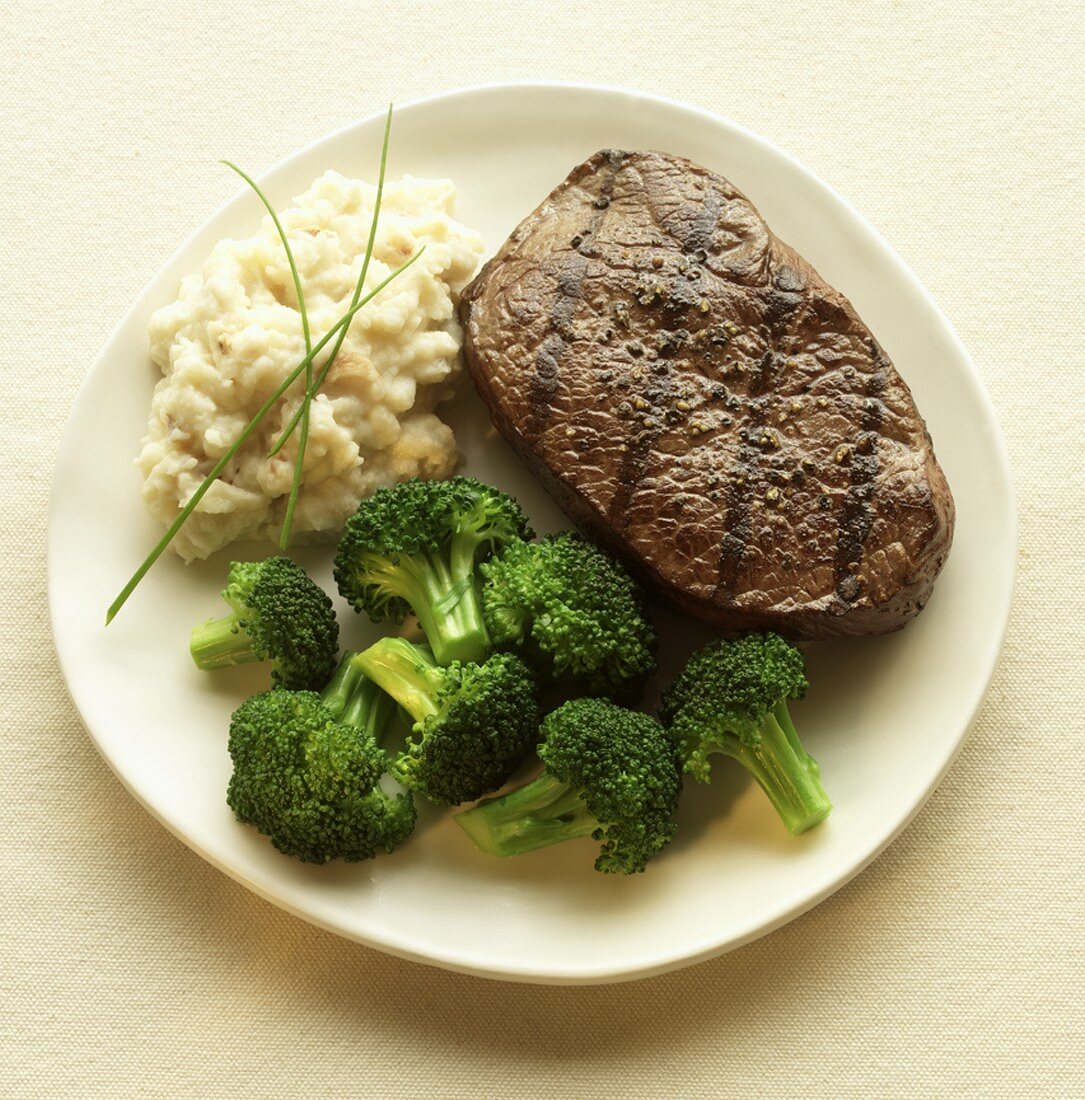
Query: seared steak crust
(701, 402)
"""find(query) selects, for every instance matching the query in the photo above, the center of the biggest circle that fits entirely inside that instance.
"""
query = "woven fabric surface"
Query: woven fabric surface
(953, 967)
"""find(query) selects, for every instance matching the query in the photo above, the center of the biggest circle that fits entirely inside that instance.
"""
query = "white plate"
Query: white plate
(884, 717)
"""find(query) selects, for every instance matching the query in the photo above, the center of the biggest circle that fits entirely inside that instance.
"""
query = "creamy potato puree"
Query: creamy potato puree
(235, 332)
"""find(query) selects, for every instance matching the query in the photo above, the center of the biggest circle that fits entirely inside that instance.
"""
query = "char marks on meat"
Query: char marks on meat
(701, 402)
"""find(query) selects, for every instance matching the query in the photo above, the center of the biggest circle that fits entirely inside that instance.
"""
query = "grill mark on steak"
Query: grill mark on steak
(545, 379)
(634, 464)
(857, 515)
(736, 521)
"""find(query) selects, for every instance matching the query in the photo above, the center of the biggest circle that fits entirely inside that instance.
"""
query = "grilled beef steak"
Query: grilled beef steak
(702, 403)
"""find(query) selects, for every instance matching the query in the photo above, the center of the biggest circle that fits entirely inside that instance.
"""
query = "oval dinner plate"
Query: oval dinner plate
(884, 716)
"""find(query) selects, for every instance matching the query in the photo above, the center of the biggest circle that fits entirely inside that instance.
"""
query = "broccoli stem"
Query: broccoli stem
(356, 701)
(340, 688)
(444, 596)
(405, 671)
(453, 625)
(543, 812)
(783, 717)
(220, 643)
(371, 710)
(786, 772)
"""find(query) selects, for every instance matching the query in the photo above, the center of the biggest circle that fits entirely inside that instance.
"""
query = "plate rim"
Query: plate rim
(662, 962)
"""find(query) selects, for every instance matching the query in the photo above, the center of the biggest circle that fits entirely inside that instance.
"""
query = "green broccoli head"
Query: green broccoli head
(306, 773)
(731, 698)
(610, 773)
(473, 723)
(725, 692)
(277, 614)
(575, 613)
(416, 546)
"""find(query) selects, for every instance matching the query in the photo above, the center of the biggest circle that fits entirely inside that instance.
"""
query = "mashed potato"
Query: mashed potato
(234, 333)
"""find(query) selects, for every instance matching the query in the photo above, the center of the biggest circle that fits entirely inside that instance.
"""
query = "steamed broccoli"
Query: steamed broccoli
(277, 614)
(473, 723)
(415, 547)
(610, 773)
(306, 769)
(574, 613)
(731, 698)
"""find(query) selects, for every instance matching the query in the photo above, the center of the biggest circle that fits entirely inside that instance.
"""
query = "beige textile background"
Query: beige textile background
(953, 967)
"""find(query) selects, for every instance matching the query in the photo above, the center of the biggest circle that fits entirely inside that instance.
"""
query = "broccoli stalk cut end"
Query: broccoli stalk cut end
(785, 772)
(221, 643)
(543, 812)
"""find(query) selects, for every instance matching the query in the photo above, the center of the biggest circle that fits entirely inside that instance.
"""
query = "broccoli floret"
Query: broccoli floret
(731, 698)
(574, 612)
(473, 723)
(306, 769)
(277, 614)
(610, 773)
(416, 546)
